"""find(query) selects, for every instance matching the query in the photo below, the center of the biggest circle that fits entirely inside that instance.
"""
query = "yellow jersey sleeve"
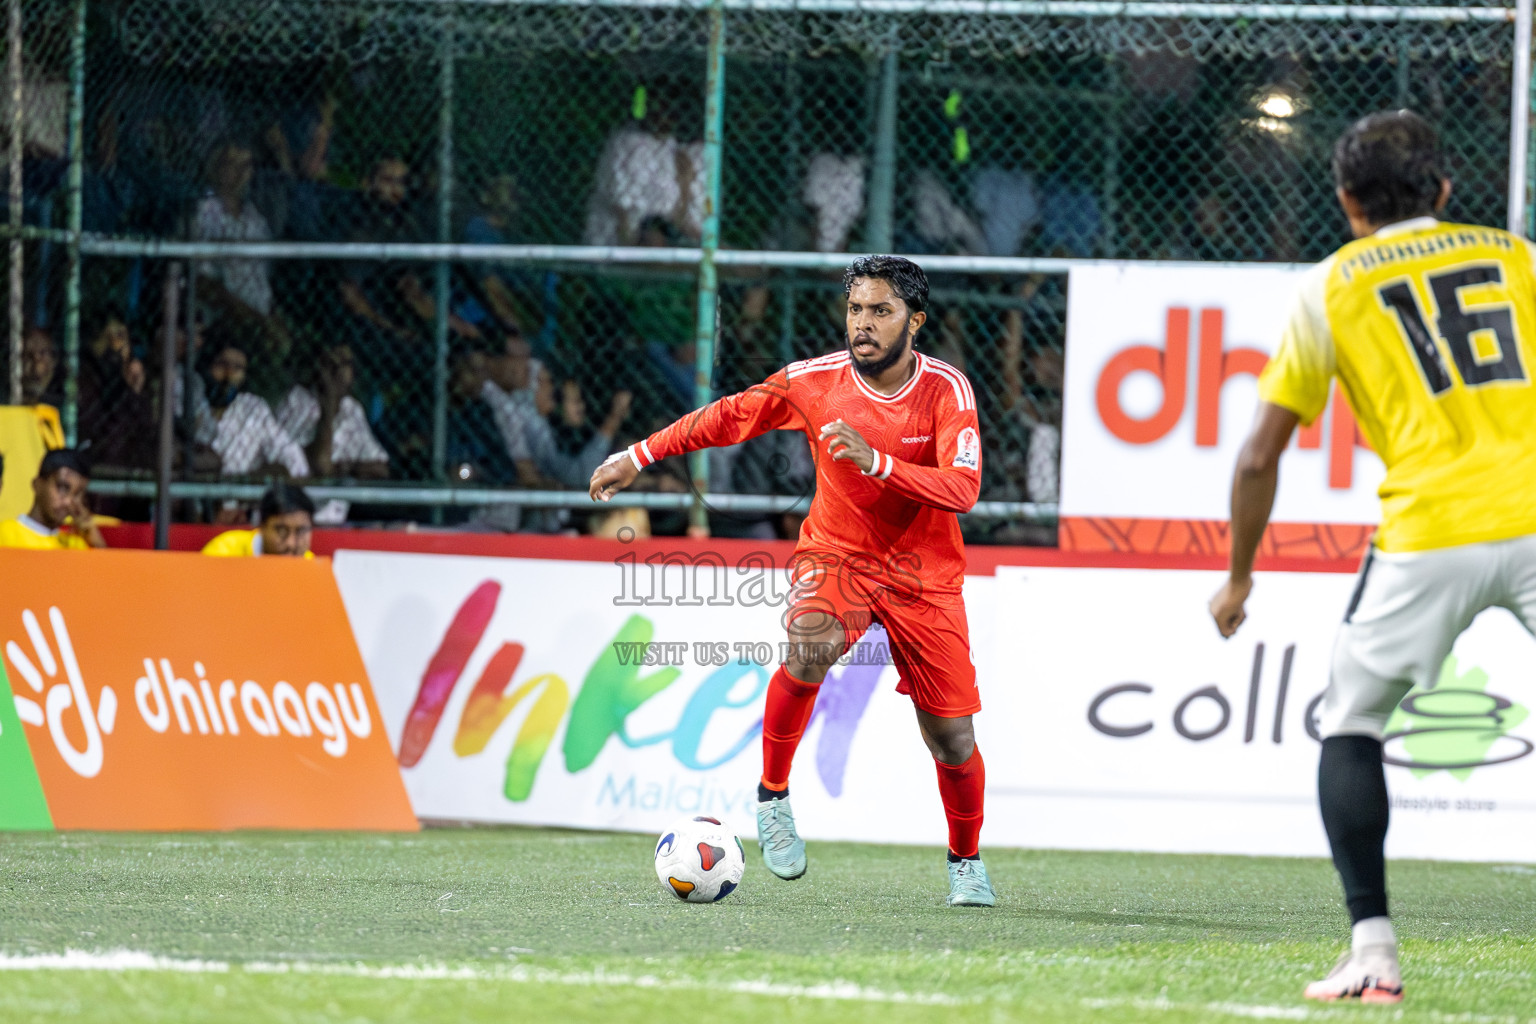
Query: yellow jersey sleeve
(15, 535)
(234, 544)
(1299, 376)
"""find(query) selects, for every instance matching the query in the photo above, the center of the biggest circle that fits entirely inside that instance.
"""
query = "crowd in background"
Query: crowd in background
(324, 370)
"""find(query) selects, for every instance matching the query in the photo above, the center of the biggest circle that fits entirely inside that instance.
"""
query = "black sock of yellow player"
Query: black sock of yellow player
(1352, 790)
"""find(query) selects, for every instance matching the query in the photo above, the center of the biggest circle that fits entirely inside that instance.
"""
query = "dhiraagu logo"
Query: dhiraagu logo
(613, 688)
(22, 804)
(1455, 726)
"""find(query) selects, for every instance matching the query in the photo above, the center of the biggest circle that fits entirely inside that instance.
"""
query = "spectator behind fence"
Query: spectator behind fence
(42, 378)
(567, 447)
(248, 438)
(646, 172)
(198, 434)
(238, 291)
(508, 391)
(389, 310)
(298, 143)
(492, 224)
(330, 424)
(834, 193)
(475, 449)
(287, 521)
(117, 422)
(60, 519)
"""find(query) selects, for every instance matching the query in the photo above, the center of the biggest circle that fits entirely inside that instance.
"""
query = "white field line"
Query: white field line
(109, 960)
(132, 960)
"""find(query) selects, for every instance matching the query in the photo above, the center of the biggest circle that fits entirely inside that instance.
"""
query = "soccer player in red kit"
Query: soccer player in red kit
(898, 454)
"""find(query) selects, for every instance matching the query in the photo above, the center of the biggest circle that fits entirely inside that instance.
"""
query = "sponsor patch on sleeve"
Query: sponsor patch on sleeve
(968, 449)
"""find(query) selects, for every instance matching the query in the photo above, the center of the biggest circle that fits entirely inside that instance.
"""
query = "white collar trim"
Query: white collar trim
(256, 543)
(36, 527)
(858, 378)
(1402, 227)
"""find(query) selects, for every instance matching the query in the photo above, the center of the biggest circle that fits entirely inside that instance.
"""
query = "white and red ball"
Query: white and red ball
(699, 860)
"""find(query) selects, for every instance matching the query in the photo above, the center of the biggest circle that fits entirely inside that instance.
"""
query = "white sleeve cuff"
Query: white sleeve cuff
(640, 454)
(630, 451)
(881, 466)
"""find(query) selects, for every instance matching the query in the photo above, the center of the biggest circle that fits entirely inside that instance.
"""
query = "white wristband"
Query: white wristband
(875, 466)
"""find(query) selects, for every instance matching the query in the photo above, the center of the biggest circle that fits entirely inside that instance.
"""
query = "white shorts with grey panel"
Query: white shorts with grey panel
(1407, 610)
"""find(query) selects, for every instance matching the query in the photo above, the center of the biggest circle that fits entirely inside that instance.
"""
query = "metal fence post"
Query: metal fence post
(708, 320)
(73, 216)
(166, 443)
(13, 66)
(440, 270)
(1530, 168)
(1519, 118)
(880, 228)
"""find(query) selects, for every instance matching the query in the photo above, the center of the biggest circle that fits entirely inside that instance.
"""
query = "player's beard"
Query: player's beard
(875, 367)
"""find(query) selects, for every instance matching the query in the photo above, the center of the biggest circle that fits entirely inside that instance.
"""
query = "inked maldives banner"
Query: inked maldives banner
(158, 690)
(624, 694)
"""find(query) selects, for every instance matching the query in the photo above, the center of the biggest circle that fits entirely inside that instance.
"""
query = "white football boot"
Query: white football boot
(1369, 972)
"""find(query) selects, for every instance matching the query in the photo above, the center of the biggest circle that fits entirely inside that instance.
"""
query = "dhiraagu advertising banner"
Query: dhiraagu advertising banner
(226, 693)
(622, 695)
(22, 804)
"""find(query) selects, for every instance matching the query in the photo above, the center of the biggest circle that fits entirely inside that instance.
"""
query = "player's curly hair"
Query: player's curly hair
(906, 278)
(1391, 163)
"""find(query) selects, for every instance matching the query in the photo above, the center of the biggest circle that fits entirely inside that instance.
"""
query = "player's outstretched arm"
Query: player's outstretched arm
(1253, 498)
(730, 420)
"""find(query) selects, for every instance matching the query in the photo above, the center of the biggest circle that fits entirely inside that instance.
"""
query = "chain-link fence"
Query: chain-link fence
(302, 157)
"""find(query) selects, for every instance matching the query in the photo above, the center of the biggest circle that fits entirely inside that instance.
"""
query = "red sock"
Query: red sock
(790, 703)
(961, 787)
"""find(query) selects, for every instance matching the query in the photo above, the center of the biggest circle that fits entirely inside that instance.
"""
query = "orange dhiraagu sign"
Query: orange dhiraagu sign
(171, 691)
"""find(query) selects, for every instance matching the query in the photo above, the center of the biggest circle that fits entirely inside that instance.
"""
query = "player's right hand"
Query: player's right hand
(615, 474)
(1227, 606)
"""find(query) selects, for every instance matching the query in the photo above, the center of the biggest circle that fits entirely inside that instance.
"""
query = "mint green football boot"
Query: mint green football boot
(783, 849)
(969, 885)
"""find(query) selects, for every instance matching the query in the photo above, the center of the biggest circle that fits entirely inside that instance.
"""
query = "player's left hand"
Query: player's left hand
(843, 442)
(1227, 605)
(615, 474)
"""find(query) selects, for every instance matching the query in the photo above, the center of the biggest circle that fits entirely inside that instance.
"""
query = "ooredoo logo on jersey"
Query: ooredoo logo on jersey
(173, 691)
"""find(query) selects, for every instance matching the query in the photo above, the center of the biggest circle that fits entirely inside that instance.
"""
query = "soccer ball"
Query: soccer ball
(699, 860)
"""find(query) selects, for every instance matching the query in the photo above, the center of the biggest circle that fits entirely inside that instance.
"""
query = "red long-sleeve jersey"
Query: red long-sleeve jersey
(899, 519)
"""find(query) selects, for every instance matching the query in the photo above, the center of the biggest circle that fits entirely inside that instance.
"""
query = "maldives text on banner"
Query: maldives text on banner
(1161, 390)
(605, 695)
(172, 691)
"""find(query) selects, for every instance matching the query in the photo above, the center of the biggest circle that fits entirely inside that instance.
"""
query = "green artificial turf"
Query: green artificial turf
(523, 924)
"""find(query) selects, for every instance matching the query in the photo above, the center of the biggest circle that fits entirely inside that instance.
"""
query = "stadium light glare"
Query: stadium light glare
(1277, 105)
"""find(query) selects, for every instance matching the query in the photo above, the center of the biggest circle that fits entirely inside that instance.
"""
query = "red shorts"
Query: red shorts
(929, 637)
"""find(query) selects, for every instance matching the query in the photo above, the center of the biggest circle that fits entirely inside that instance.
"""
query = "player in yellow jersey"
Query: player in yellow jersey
(287, 521)
(59, 519)
(1431, 330)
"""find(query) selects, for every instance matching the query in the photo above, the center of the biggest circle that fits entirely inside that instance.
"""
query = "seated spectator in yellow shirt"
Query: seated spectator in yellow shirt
(287, 519)
(59, 520)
